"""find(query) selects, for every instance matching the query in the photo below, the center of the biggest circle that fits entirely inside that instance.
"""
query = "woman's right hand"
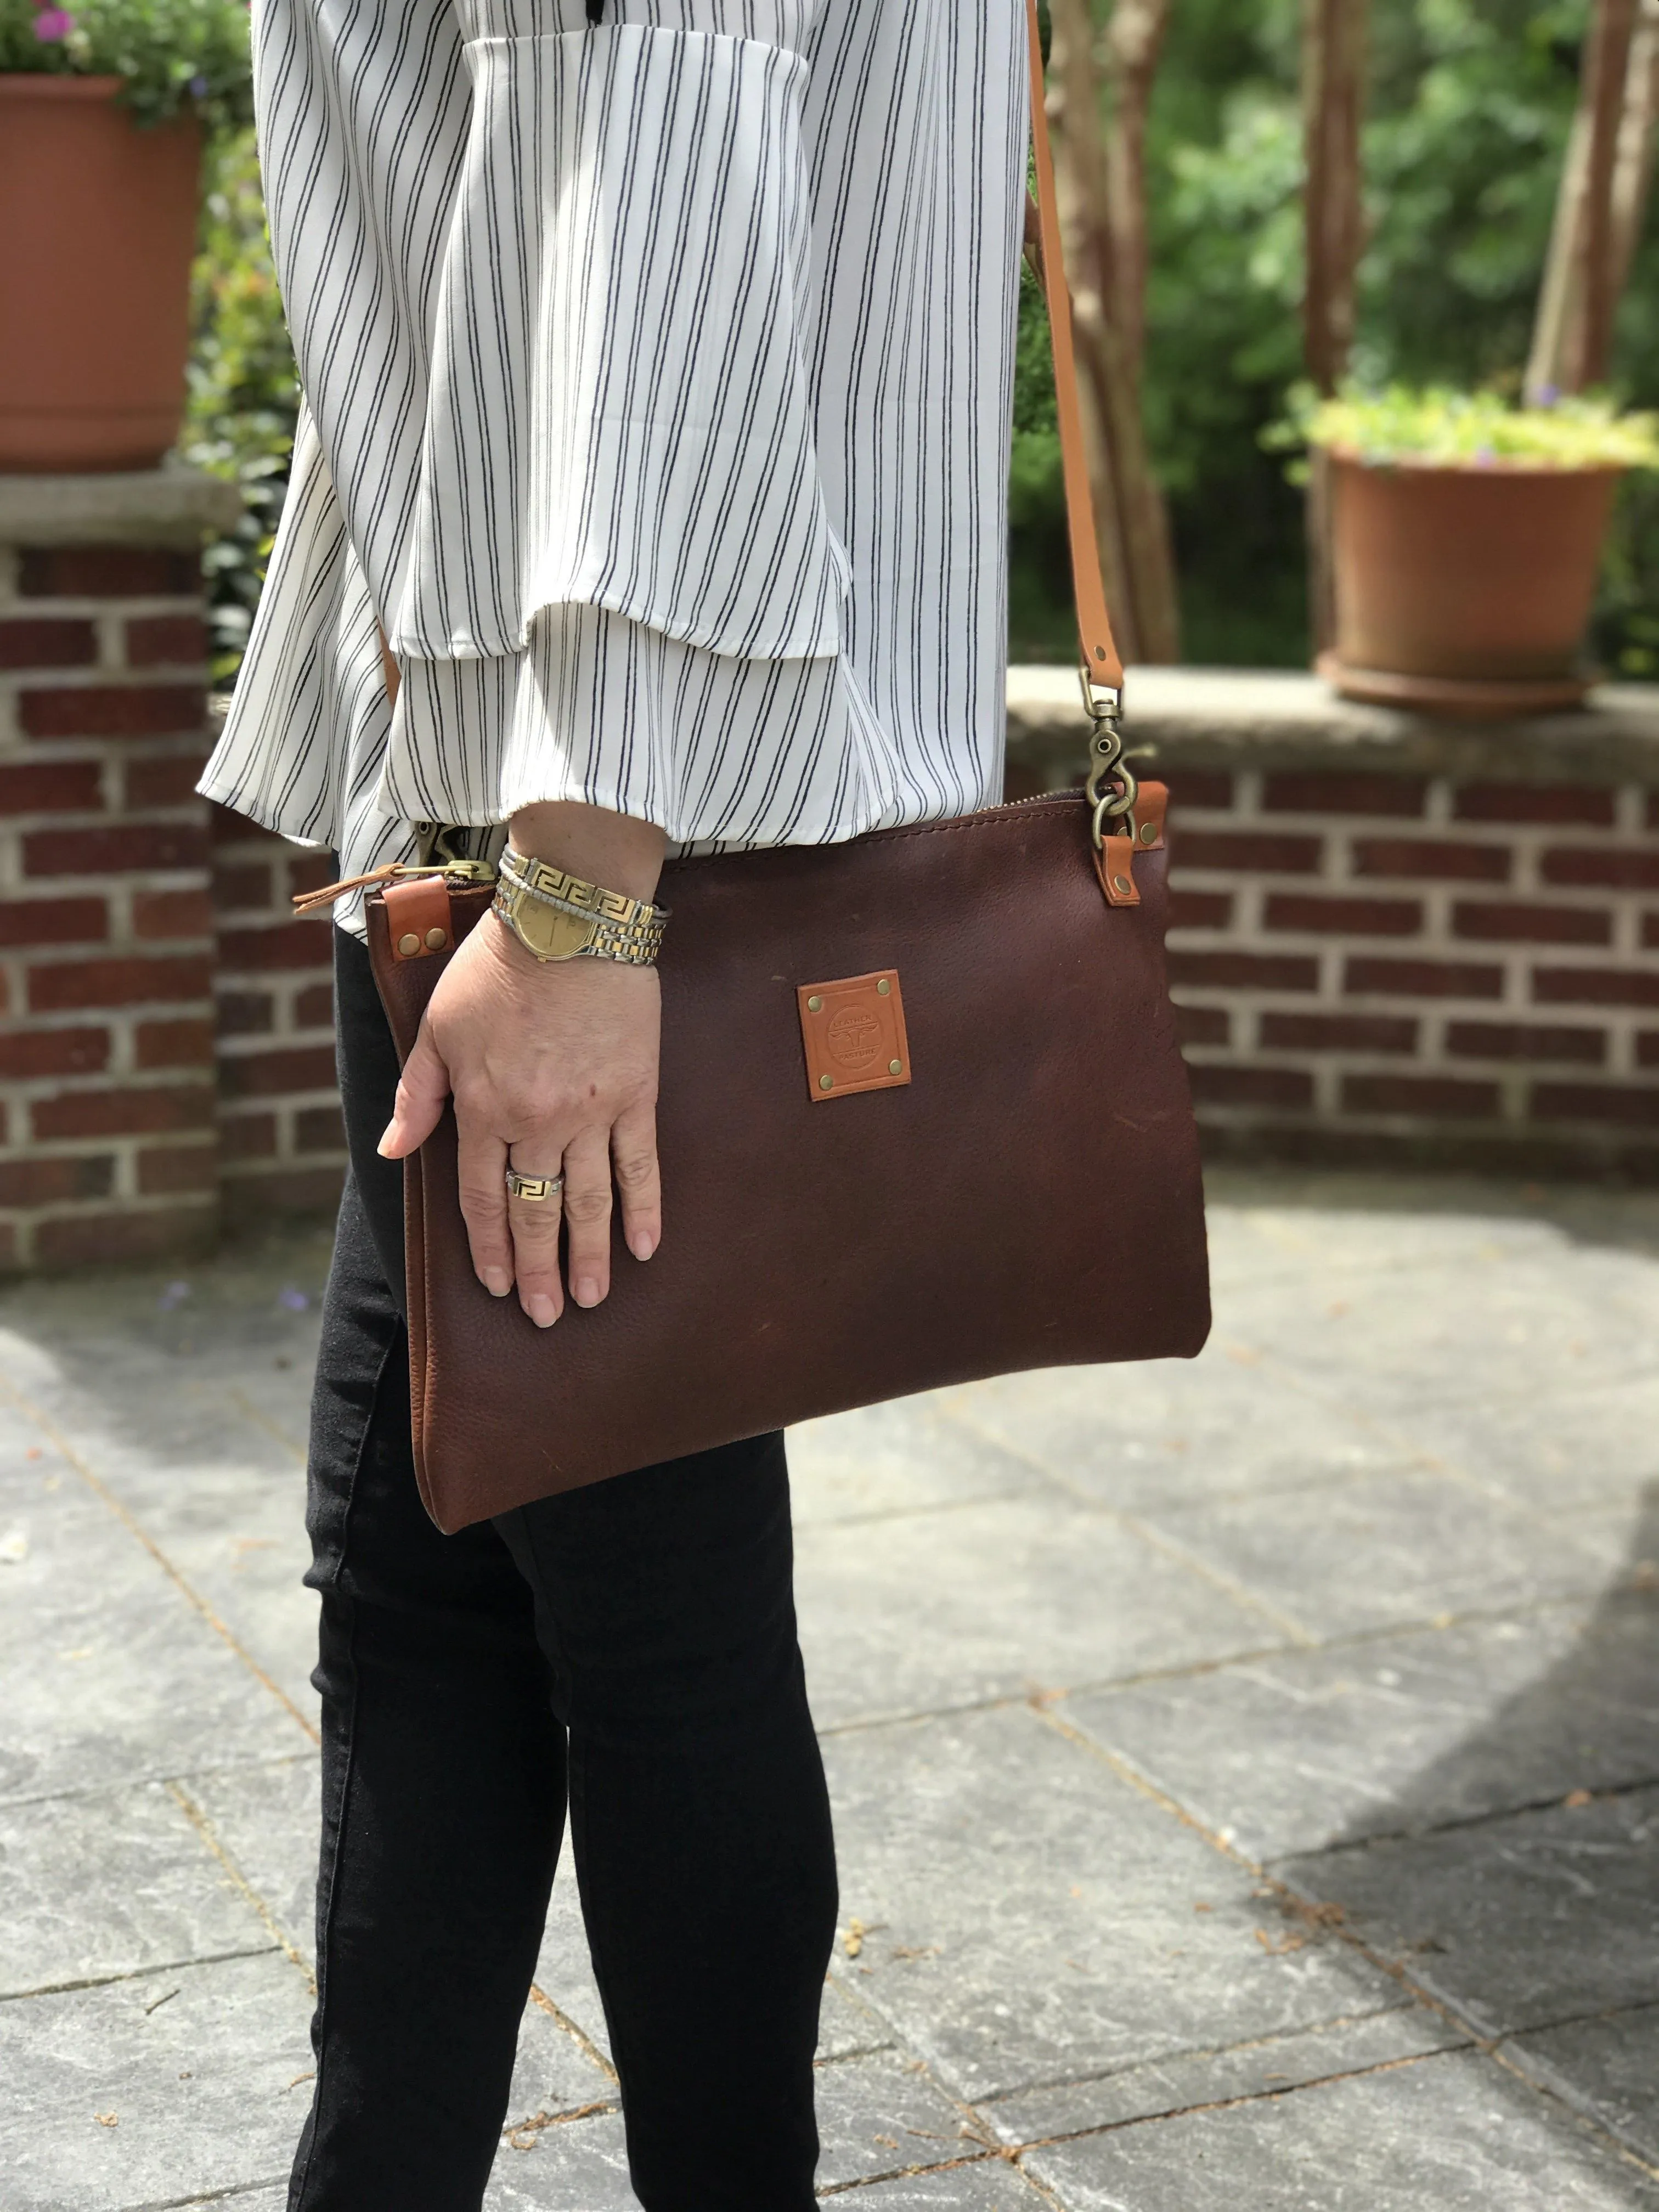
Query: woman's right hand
(553, 1069)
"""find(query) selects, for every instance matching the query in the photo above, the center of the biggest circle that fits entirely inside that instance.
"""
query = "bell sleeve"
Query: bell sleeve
(618, 484)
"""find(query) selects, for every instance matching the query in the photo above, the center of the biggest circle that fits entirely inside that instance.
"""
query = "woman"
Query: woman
(658, 373)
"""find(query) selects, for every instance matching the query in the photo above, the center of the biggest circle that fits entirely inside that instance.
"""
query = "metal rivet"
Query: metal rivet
(436, 940)
(1123, 883)
(1149, 833)
(408, 944)
(825, 1081)
(885, 987)
(815, 1005)
(896, 1067)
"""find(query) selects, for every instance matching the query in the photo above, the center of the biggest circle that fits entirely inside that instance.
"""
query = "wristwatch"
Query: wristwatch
(558, 916)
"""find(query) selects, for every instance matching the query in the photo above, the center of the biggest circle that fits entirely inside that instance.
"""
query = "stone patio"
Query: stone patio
(1246, 1773)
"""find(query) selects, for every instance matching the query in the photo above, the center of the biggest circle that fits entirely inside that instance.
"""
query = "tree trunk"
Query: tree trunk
(1600, 202)
(1333, 233)
(1100, 176)
(1633, 167)
(1333, 111)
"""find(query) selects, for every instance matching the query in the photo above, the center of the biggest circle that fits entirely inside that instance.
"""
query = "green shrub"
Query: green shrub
(174, 55)
(1468, 106)
(1040, 621)
(244, 398)
(1438, 427)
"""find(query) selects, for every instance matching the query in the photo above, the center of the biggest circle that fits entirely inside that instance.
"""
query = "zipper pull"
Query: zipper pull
(458, 873)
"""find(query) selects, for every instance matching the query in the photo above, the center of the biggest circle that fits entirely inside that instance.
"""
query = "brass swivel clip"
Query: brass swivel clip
(1111, 788)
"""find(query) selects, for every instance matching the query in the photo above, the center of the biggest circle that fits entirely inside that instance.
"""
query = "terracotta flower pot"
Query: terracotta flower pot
(1464, 590)
(97, 231)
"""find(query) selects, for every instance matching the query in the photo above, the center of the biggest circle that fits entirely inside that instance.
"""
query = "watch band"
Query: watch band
(557, 917)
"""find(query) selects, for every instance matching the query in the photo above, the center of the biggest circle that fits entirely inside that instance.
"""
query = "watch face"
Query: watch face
(552, 935)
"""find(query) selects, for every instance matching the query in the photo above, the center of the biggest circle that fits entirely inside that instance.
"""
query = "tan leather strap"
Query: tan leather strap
(1100, 660)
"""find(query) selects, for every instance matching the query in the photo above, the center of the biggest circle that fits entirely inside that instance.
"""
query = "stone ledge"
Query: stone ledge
(1268, 719)
(150, 506)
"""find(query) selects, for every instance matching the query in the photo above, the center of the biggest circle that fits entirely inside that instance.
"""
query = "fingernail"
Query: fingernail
(381, 1147)
(495, 1282)
(586, 1291)
(540, 1309)
(642, 1244)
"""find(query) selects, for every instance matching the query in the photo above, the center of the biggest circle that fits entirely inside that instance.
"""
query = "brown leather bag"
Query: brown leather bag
(923, 1118)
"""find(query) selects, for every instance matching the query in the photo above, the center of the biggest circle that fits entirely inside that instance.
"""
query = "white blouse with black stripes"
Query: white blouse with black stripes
(658, 379)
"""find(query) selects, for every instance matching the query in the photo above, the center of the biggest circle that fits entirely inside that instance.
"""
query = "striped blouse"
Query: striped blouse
(658, 381)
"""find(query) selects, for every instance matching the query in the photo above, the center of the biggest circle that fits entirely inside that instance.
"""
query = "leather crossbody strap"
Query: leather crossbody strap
(1100, 657)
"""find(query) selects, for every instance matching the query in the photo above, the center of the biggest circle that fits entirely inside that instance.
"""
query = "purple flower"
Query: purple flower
(199, 86)
(53, 25)
(1547, 395)
(1484, 457)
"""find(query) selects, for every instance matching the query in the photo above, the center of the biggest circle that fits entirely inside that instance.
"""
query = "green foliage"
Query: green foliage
(1469, 103)
(173, 56)
(1469, 106)
(1444, 428)
(244, 399)
(1039, 623)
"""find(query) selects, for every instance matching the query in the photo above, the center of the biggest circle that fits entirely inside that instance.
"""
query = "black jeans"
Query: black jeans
(629, 1649)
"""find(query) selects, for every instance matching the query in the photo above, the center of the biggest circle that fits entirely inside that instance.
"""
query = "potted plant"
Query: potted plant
(102, 108)
(1466, 536)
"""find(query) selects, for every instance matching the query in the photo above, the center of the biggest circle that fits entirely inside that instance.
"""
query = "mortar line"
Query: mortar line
(583, 2041)
(1572, 2019)
(1452, 1465)
(1461, 1822)
(1357, 1639)
(209, 2197)
(1245, 2097)
(984, 2156)
(1268, 2041)
(251, 1413)
(1488, 2046)
(101, 1490)
(1415, 1454)
(1587, 2122)
(539, 2121)
(880, 1516)
(156, 1778)
(134, 1974)
(203, 1827)
(1239, 1592)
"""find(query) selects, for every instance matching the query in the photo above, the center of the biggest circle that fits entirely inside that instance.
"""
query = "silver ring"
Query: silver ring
(533, 1188)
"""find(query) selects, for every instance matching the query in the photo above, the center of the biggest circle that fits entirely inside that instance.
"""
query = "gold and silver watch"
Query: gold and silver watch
(558, 916)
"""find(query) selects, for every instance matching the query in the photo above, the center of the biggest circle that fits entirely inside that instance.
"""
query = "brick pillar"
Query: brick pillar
(281, 1144)
(108, 1139)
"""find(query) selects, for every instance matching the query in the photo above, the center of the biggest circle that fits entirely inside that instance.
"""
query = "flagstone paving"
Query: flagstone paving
(1246, 1773)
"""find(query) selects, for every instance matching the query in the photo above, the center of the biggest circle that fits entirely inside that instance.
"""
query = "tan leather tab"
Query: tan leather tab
(853, 1032)
(1152, 806)
(417, 918)
(1115, 866)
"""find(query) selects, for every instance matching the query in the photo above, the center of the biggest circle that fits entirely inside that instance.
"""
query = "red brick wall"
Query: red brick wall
(107, 1144)
(282, 1145)
(166, 1027)
(1436, 962)
(1384, 964)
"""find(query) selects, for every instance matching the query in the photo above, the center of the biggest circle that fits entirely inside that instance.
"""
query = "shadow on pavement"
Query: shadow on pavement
(1538, 1922)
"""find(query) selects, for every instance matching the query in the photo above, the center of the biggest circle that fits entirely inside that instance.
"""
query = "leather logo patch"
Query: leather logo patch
(853, 1032)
